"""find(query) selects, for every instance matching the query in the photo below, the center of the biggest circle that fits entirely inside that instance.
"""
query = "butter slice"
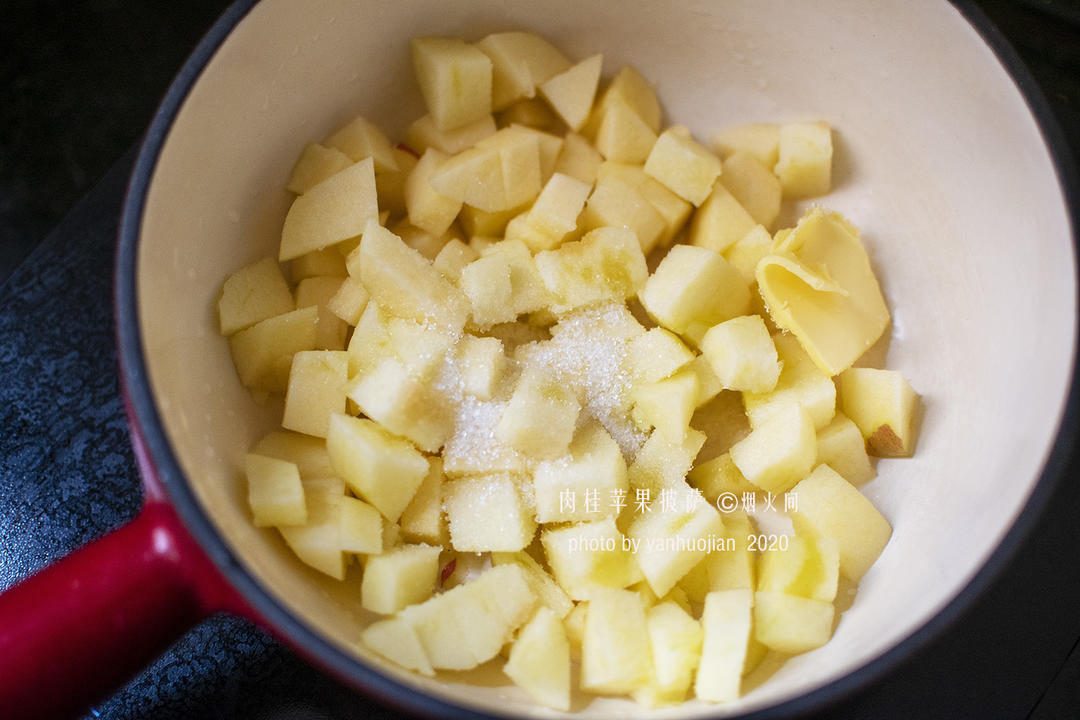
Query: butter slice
(818, 285)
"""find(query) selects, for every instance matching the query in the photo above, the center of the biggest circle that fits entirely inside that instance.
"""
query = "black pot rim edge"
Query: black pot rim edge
(137, 387)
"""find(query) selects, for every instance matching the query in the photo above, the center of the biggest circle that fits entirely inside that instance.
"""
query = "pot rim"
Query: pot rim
(145, 415)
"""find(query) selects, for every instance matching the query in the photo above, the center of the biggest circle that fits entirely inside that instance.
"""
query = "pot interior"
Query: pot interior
(939, 163)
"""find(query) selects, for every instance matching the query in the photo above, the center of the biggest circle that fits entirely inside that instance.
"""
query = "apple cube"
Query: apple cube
(391, 186)
(404, 283)
(316, 292)
(571, 92)
(841, 446)
(400, 577)
(424, 134)
(615, 652)
(520, 61)
(667, 405)
(622, 134)
(830, 506)
(791, 624)
(263, 352)
(539, 661)
(747, 252)
(402, 403)
(370, 341)
(762, 140)
(574, 624)
(316, 390)
(693, 289)
(683, 165)
(455, 79)
(383, 469)
(362, 528)
(727, 621)
(614, 203)
(736, 569)
(531, 113)
(315, 164)
(252, 294)
(318, 541)
(673, 210)
(275, 494)
(675, 639)
(540, 417)
(669, 538)
(361, 139)
(550, 146)
(488, 513)
(800, 382)
(519, 154)
(468, 624)
(420, 348)
(307, 453)
(336, 209)
(753, 185)
(349, 302)
(550, 595)
(579, 159)
(720, 222)
(719, 476)
(742, 354)
(423, 520)
(556, 210)
(806, 567)
(428, 209)
(475, 177)
(396, 640)
(453, 258)
(709, 386)
(486, 282)
(631, 88)
(664, 464)
(482, 364)
(487, 224)
(593, 468)
(780, 452)
(656, 354)
(804, 163)
(588, 556)
(882, 404)
(606, 265)
(328, 262)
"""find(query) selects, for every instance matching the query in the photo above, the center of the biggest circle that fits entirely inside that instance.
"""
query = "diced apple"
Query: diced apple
(336, 209)
(521, 61)
(663, 464)
(453, 258)
(623, 135)
(778, 453)
(486, 282)
(316, 292)
(550, 595)
(727, 621)
(718, 476)
(762, 140)
(487, 224)
(747, 252)
(571, 92)
(488, 513)
(404, 283)
(361, 139)
(519, 155)
(675, 640)
(605, 265)
(614, 203)
(579, 159)
(693, 289)
(555, 212)
(315, 164)
(588, 556)
(574, 624)
(370, 341)
(318, 541)
(539, 419)
(482, 363)
(709, 386)
(399, 577)
(531, 113)
(349, 302)
(753, 185)
(539, 661)
(735, 569)
(391, 185)
(362, 528)
(263, 352)
(307, 453)
(667, 405)
(318, 263)
(424, 134)
(807, 567)
(830, 506)
(423, 519)
(841, 446)
(275, 494)
(683, 165)
(882, 404)
(804, 163)
(669, 538)
(656, 354)
(428, 209)
(402, 403)
(742, 354)
(316, 390)
(381, 468)
(455, 79)
(615, 653)
(252, 294)
(800, 382)
(631, 88)
(396, 640)
(720, 222)
(594, 467)
(791, 624)
(550, 146)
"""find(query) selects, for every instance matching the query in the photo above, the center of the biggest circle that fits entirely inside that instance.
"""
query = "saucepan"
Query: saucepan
(945, 158)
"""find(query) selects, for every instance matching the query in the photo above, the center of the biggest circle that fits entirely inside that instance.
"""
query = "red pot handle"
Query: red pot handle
(79, 628)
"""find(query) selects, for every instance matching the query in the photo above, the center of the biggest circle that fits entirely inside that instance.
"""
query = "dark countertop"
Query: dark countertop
(78, 83)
